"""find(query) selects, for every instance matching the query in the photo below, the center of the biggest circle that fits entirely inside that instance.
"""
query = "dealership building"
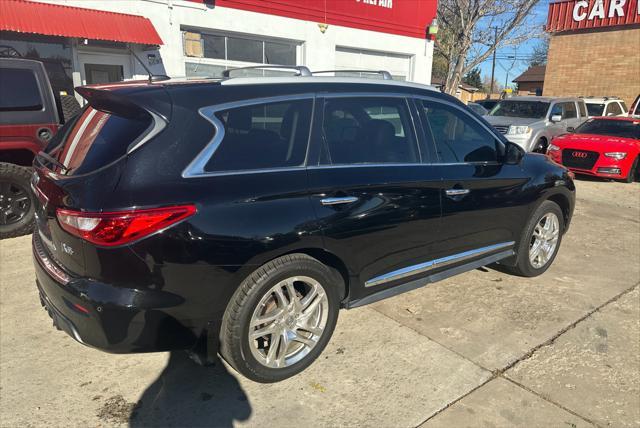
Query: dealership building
(594, 48)
(87, 41)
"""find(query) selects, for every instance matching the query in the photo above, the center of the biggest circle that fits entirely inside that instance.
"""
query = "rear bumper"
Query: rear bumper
(113, 319)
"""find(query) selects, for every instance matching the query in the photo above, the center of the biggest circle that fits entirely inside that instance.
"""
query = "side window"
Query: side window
(569, 110)
(613, 109)
(623, 106)
(19, 90)
(458, 136)
(273, 135)
(583, 109)
(368, 130)
(556, 110)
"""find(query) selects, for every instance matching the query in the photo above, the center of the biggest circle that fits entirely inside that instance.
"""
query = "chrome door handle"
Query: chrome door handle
(338, 201)
(456, 192)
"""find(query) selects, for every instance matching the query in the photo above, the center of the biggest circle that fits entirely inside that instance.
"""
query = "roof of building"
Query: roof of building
(437, 82)
(533, 74)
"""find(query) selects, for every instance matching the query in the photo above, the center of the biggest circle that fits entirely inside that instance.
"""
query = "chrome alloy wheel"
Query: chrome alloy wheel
(544, 240)
(288, 322)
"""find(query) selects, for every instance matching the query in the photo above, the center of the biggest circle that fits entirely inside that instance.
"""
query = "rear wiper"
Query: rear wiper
(53, 160)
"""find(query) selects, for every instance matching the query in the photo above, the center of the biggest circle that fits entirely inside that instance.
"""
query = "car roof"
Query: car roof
(599, 100)
(619, 118)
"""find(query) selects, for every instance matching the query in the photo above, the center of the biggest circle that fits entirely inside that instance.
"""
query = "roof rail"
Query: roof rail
(385, 74)
(301, 70)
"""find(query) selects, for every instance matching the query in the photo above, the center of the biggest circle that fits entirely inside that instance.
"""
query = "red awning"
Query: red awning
(55, 20)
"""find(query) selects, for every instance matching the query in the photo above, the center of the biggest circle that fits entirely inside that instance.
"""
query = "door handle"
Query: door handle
(456, 192)
(338, 201)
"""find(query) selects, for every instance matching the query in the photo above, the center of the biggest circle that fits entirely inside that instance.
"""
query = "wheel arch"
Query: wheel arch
(565, 206)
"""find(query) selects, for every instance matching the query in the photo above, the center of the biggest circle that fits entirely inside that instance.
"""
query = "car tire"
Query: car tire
(69, 106)
(265, 296)
(631, 177)
(532, 239)
(17, 205)
(541, 146)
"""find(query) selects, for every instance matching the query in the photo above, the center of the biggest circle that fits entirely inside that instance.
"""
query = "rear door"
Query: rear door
(483, 203)
(377, 204)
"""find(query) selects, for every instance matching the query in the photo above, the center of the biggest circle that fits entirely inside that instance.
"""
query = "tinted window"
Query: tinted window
(19, 89)
(556, 110)
(368, 130)
(98, 138)
(529, 109)
(595, 109)
(273, 135)
(613, 109)
(623, 106)
(569, 111)
(458, 137)
(615, 128)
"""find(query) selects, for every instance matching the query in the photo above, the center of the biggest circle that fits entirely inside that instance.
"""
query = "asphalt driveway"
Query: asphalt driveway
(481, 349)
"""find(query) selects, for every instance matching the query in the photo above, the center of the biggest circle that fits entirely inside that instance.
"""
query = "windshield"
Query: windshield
(595, 109)
(613, 128)
(528, 109)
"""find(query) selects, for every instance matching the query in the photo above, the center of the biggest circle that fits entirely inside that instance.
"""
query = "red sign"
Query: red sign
(405, 17)
(565, 15)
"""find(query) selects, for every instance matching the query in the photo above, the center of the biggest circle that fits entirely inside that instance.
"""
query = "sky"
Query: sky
(515, 68)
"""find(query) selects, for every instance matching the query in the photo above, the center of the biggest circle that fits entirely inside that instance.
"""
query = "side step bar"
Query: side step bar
(421, 282)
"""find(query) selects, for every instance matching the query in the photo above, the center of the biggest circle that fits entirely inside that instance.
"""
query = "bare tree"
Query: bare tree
(473, 29)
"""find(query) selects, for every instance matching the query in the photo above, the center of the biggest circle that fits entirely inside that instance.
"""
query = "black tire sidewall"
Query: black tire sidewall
(21, 176)
(241, 356)
(524, 266)
(633, 170)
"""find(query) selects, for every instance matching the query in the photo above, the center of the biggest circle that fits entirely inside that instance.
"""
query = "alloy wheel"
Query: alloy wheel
(544, 240)
(14, 202)
(288, 322)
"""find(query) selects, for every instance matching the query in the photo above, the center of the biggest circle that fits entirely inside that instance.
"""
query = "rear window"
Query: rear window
(595, 109)
(98, 138)
(19, 89)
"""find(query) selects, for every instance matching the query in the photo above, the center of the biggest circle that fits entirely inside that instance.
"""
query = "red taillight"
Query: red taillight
(121, 227)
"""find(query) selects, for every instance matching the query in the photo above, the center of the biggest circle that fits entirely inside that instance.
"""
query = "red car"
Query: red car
(603, 146)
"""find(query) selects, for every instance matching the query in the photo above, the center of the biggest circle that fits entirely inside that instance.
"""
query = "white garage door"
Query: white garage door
(357, 59)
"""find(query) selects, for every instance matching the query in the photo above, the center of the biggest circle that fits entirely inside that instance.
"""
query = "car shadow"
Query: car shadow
(186, 394)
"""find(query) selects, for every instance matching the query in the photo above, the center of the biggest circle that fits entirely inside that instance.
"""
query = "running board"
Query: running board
(421, 282)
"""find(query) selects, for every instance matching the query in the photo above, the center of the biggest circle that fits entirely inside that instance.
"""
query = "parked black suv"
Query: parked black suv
(176, 214)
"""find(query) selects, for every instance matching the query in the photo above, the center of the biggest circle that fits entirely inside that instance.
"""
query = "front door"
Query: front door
(377, 205)
(104, 68)
(484, 206)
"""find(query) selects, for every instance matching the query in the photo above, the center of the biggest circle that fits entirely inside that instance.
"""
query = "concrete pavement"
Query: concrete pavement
(481, 349)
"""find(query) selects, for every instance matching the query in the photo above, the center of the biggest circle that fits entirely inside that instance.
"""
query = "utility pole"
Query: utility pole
(493, 65)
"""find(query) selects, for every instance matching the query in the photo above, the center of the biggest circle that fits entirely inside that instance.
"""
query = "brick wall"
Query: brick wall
(595, 62)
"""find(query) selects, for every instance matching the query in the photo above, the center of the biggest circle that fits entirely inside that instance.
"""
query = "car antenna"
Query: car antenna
(152, 76)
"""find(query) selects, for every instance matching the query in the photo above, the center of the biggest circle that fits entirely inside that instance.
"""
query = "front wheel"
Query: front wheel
(631, 177)
(280, 318)
(540, 241)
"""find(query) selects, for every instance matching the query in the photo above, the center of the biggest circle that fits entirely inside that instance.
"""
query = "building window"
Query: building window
(228, 51)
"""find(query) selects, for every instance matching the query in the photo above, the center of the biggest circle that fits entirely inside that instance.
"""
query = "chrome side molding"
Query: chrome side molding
(437, 263)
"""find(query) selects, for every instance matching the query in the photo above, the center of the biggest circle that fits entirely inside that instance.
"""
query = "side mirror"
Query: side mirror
(514, 154)
(571, 129)
(556, 118)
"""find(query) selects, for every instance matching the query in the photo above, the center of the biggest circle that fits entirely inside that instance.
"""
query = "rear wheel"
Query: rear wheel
(540, 241)
(280, 318)
(16, 201)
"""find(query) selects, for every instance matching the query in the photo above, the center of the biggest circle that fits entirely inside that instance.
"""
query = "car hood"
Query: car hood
(507, 120)
(595, 142)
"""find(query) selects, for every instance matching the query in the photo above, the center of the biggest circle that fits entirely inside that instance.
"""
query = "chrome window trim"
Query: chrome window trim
(196, 167)
(433, 264)
(159, 123)
(493, 132)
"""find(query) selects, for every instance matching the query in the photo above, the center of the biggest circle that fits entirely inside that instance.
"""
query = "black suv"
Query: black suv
(239, 215)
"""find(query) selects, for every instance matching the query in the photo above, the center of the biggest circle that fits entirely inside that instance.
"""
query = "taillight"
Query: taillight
(121, 227)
